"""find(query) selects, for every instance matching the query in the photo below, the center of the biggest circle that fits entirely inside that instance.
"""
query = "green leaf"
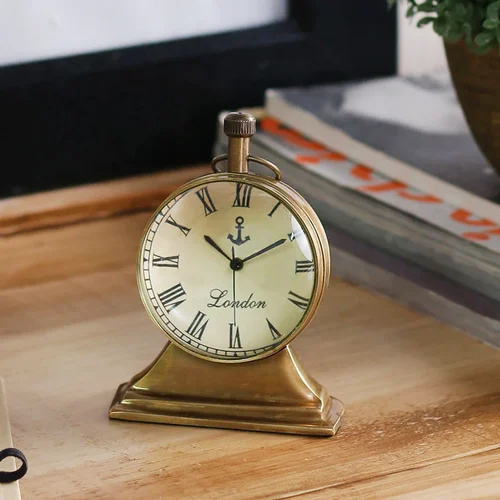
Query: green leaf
(492, 11)
(424, 21)
(460, 10)
(481, 50)
(483, 39)
(439, 26)
(441, 7)
(426, 7)
(453, 32)
(470, 45)
(453, 37)
(490, 24)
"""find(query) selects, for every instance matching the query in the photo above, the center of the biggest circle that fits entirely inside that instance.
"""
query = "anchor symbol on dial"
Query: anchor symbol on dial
(239, 227)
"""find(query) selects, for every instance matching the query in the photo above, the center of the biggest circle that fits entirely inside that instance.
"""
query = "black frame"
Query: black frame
(135, 110)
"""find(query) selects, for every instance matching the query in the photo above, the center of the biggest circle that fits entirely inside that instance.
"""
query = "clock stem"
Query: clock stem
(239, 127)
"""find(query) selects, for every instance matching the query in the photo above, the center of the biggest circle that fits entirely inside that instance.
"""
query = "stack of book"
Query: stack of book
(408, 201)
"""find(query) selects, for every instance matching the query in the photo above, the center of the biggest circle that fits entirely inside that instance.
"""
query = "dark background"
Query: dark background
(135, 110)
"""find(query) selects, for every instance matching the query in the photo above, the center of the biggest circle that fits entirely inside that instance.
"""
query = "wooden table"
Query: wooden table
(423, 400)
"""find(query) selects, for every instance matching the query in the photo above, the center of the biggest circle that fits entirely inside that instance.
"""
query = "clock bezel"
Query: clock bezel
(307, 219)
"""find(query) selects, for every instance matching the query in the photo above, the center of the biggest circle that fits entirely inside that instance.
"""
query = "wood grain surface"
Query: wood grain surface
(422, 400)
(93, 201)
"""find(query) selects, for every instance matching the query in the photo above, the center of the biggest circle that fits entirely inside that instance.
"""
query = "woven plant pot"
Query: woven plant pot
(477, 82)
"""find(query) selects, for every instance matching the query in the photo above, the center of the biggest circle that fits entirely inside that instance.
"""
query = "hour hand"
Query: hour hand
(212, 243)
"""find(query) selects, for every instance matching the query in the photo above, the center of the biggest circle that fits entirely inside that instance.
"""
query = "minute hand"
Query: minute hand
(266, 249)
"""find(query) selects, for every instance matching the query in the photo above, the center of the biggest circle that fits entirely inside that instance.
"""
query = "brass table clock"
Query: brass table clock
(232, 267)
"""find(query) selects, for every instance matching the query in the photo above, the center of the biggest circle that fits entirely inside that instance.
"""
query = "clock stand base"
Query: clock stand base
(273, 394)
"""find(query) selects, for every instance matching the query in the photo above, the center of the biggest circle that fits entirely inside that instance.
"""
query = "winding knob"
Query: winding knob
(239, 125)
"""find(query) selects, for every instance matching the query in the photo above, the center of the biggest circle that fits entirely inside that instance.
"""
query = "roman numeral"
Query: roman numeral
(295, 234)
(185, 230)
(160, 261)
(208, 204)
(270, 214)
(276, 335)
(299, 301)
(304, 266)
(234, 336)
(172, 297)
(243, 192)
(197, 326)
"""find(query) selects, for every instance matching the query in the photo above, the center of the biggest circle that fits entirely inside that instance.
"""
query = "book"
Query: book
(8, 491)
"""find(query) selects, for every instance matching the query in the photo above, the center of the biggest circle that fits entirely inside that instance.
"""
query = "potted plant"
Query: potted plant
(471, 33)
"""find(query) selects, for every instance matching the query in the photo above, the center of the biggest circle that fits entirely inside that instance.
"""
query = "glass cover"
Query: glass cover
(227, 271)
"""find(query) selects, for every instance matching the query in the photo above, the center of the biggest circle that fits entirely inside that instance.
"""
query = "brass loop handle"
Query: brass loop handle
(256, 159)
(271, 166)
(216, 160)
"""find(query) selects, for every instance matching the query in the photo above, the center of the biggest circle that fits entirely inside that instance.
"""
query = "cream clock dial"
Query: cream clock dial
(227, 270)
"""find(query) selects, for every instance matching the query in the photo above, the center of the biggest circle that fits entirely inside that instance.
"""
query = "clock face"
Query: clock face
(227, 271)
